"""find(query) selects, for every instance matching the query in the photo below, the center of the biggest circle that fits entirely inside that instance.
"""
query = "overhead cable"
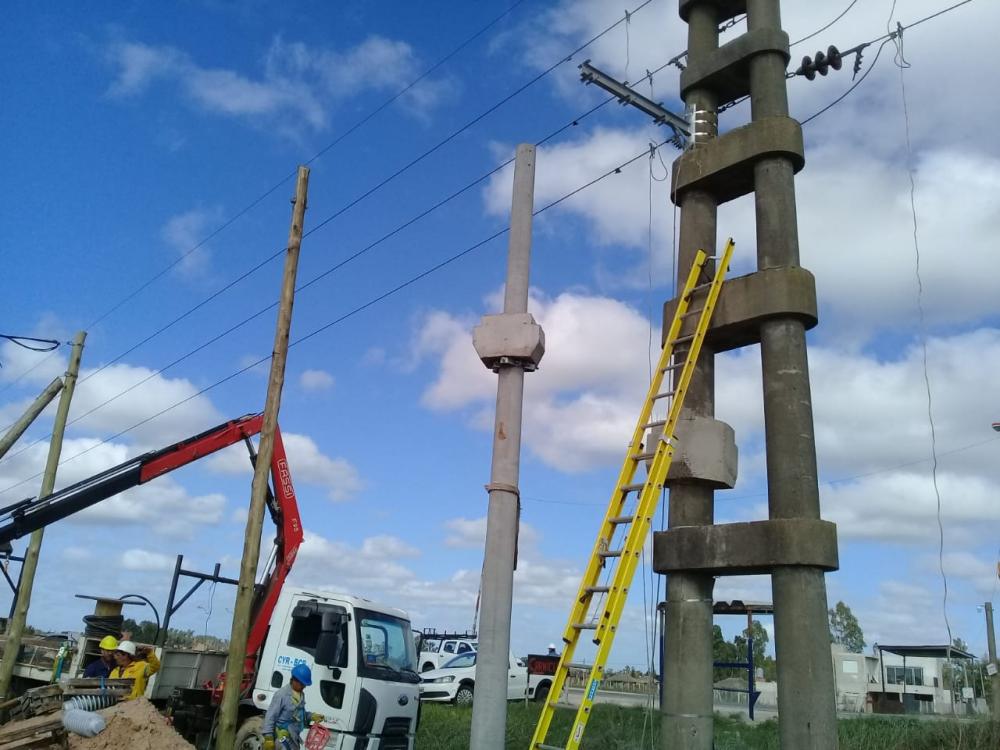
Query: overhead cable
(348, 315)
(352, 129)
(305, 285)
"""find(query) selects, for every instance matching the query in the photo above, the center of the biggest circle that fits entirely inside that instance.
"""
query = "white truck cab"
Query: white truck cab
(363, 662)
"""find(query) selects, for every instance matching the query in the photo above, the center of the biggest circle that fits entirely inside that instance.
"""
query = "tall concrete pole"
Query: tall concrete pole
(235, 663)
(806, 700)
(991, 645)
(30, 415)
(509, 344)
(686, 699)
(15, 630)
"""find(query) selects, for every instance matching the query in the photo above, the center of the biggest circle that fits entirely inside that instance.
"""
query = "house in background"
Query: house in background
(900, 679)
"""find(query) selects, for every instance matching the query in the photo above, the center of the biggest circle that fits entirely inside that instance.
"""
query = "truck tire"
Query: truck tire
(542, 692)
(464, 695)
(427, 667)
(249, 736)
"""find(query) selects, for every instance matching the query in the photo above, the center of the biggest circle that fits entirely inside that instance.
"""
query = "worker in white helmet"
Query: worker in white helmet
(552, 650)
(137, 663)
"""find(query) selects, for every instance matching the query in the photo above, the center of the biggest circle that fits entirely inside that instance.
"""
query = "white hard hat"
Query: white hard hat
(552, 647)
(126, 647)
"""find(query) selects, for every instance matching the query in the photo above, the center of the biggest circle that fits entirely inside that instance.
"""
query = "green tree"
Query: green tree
(845, 629)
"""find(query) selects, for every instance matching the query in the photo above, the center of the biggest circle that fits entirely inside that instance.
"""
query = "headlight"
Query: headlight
(449, 678)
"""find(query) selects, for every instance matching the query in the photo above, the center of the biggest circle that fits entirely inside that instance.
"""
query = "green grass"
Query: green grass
(444, 727)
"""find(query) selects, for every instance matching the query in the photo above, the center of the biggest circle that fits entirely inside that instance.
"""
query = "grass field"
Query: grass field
(444, 727)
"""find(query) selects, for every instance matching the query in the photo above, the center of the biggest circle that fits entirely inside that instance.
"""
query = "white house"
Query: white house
(898, 679)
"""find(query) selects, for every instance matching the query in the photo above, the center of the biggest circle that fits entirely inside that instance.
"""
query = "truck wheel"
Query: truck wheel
(464, 696)
(542, 692)
(249, 736)
(428, 666)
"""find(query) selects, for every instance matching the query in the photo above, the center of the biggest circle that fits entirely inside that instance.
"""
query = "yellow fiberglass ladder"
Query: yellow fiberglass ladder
(633, 503)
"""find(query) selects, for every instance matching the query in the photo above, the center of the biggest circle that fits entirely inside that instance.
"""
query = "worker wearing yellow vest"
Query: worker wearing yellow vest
(137, 664)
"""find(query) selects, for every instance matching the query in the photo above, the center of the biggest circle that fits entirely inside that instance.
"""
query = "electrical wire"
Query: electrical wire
(349, 131)
(315, 279)
(821, 30)
(339, 212)
(901, 63)
(346, 316)
(28, 342)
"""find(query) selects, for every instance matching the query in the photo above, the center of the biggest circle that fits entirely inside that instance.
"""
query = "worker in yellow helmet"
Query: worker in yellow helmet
(135, 663)
(102, 666)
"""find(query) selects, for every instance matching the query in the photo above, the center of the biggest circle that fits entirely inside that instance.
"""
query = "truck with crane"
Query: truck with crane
(362, 654)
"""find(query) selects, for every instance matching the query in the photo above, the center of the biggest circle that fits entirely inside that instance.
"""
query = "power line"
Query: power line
(352, 129)
(318, 277)
(821, 30)
(367, 193)
(346, 316)
(31, 343)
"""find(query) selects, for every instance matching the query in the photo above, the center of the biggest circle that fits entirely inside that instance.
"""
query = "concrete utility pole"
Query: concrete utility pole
(30, 415)
(235, 663)
(772, 307)
(15, 630)
(509, 344)
(991, 646)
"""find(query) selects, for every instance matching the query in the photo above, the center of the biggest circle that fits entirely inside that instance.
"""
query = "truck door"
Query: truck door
(333, 690)
(517, 679)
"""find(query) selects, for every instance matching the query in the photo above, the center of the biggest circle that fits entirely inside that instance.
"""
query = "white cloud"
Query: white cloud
(308, 464)
(185, 233)
(470, 533)
(296, 79)
(144, 560)
(316, 380)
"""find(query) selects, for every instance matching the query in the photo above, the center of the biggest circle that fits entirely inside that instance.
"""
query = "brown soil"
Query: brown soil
(135, 725)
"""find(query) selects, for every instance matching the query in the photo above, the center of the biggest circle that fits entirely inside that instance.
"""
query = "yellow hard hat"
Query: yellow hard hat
(109, 643)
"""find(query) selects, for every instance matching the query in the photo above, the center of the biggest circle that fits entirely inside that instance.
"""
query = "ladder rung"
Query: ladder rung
(633, 487)
(580, 665)
(598, 589)
(620, 520)
(585, 625)
(653, 425)
(675, 366)
(550, 747)
(643, 456)
(665, 394)
(689, 313)
(699, 287)
(610, 553)
(683, 339)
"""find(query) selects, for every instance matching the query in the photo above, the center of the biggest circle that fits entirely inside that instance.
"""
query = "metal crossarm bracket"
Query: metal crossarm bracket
(626, 95)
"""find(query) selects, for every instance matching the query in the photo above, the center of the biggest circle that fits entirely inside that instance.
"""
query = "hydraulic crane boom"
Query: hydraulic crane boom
(28, 515)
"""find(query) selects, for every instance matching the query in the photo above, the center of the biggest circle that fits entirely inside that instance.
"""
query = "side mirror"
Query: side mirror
(330, 645)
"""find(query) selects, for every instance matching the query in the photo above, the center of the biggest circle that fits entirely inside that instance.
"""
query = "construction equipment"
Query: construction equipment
(598, 606)
(370, 697)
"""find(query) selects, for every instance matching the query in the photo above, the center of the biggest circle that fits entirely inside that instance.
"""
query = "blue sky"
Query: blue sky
(133, 132)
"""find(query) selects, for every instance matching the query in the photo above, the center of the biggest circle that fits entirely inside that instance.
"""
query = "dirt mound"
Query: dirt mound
(135, 725)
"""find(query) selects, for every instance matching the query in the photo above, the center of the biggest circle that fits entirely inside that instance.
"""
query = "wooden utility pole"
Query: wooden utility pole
(15, 631)
(255, 519)
(30, 415)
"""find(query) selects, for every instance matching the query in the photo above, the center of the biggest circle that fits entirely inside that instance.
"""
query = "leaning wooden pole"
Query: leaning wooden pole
(30, 415)
(255, 520)
(15, 630)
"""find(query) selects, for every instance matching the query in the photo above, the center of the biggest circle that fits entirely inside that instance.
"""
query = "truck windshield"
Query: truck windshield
(387, 651)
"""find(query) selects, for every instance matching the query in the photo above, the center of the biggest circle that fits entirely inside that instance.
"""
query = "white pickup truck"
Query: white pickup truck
(455, 681)
(436, 651)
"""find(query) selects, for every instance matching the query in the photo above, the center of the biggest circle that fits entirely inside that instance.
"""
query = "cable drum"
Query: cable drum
(102, 625)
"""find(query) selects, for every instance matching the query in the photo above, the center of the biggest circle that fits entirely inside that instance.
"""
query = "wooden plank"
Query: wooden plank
(17, 730)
